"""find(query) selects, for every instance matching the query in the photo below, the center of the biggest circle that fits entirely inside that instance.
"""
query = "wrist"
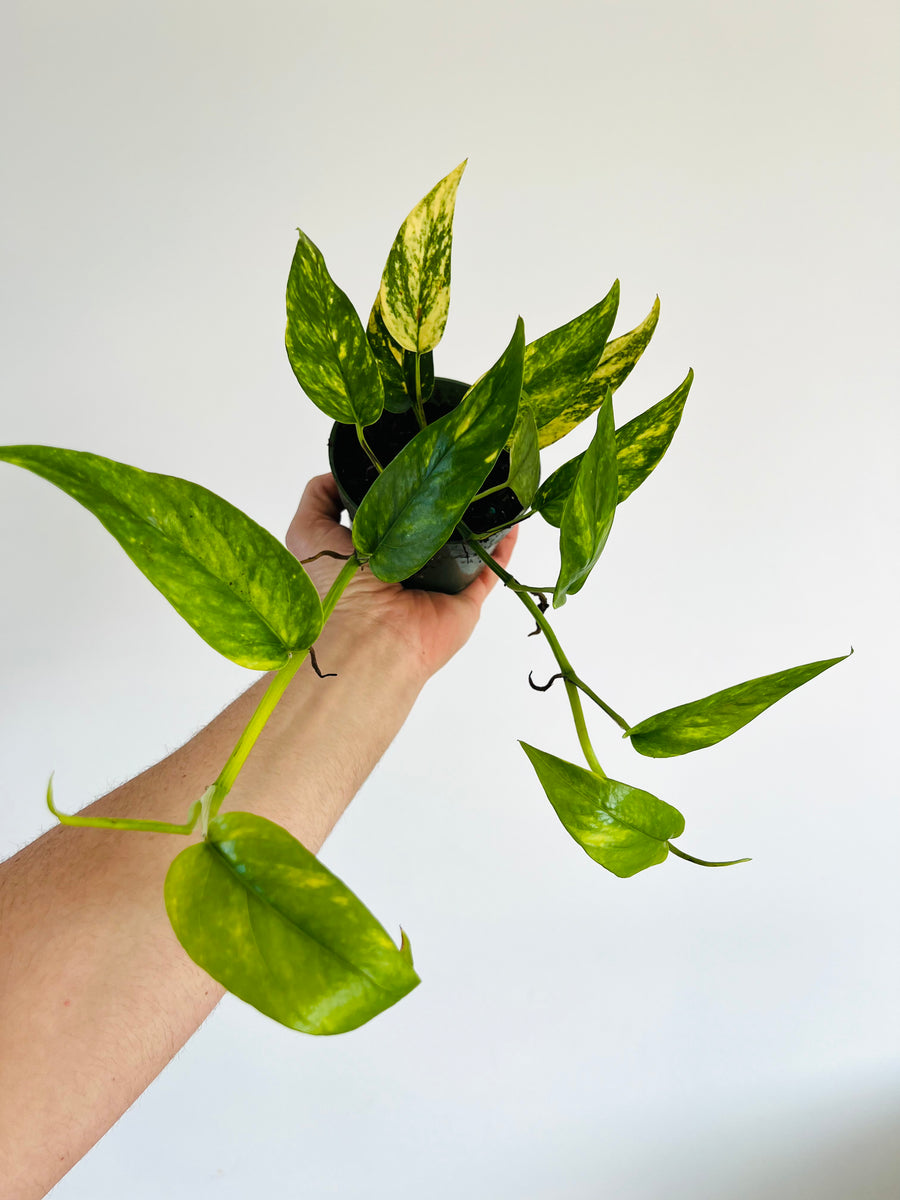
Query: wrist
(375, 644)
(326, 734)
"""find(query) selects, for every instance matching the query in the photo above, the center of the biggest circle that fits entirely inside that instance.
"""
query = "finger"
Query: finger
(316, 524)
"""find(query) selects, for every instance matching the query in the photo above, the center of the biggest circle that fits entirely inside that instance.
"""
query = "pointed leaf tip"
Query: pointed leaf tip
(415, 286)
(704, 722)
(260, 913)
(622, 828)
(233, 582)
(326, 344)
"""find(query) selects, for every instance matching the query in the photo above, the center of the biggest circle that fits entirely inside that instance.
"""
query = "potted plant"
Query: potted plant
(434, 473)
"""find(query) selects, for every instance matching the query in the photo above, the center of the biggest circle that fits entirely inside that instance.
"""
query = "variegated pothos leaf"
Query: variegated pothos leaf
(389, 357)
(590, 508)
(619, 358)
(702, 723)
(230, 579)
(524, 456)
(559, 364)
(621, 827)
(415, 286)
(398, 366)
(640, 444)
(326, 343)
(419, 498)
(257, 911)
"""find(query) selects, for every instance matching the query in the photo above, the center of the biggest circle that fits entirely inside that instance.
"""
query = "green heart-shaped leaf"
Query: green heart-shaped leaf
(257, 911)
(619, 358)
(590, 508)
(559, 364)
(326, 343)
(524, 456)
(622, 828)
(419, 498)
(704, 722)
(415, 286)
(230, 579)
(640, 444)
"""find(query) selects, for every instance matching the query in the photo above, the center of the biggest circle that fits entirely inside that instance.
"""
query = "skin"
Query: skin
(97, 995)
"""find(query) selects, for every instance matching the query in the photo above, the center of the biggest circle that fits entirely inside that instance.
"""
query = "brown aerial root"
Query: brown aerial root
(315, 664)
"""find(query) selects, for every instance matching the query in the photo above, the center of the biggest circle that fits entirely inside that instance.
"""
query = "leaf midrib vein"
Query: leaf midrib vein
(284, 917)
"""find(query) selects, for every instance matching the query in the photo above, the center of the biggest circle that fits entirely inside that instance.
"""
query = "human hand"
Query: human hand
(430, 625)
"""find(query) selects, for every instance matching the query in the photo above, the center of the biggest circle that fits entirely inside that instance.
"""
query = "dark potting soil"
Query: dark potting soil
(387, 437)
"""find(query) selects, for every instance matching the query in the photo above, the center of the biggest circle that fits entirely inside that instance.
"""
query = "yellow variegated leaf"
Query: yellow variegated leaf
(415, 287)
(559, 364)
(326, 343)
(617, 362)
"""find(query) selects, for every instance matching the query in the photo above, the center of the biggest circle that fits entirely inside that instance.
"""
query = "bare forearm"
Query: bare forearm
(92, 973)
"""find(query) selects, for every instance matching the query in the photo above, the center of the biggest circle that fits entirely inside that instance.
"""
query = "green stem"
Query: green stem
(346, 573)
(610, 712)
(272, 695)
(498, 487)
(417, 398)
(368, 449)
(507, 525)
(564, 665)
(701, 862)
(581, 728)
(533, 591)
(125, 822)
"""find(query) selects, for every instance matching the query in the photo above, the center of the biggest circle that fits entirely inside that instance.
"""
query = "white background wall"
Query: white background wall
(686, 1033)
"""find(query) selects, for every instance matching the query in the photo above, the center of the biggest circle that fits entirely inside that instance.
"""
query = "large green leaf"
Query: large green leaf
(230, 579)
(559, 364)
(588, 515)
(415, 504)
(618, 359)
(415, 286)
(326, 343)
(640, 444)
(704, 722)
(397, 366)
(622, 828)
(524, 456)
(259, 912)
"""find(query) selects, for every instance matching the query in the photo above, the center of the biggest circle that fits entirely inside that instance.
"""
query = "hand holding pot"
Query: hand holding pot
(429, 625)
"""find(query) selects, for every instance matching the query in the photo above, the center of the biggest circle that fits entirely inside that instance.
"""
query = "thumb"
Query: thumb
(316, 525)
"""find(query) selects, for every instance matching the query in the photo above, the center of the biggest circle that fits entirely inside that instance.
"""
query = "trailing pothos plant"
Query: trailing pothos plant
(248, 902)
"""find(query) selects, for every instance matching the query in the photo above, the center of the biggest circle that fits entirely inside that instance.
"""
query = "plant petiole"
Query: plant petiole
(418, 407)
(498, 487)
(581, 729)
(507, 525)
(533, 591)
(276, 689)
(127, 823)
(564, 665)
(701, 862)
(592, 695)
(368, 449)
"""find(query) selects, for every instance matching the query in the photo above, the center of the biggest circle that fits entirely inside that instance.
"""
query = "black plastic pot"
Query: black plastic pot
(454, 566)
